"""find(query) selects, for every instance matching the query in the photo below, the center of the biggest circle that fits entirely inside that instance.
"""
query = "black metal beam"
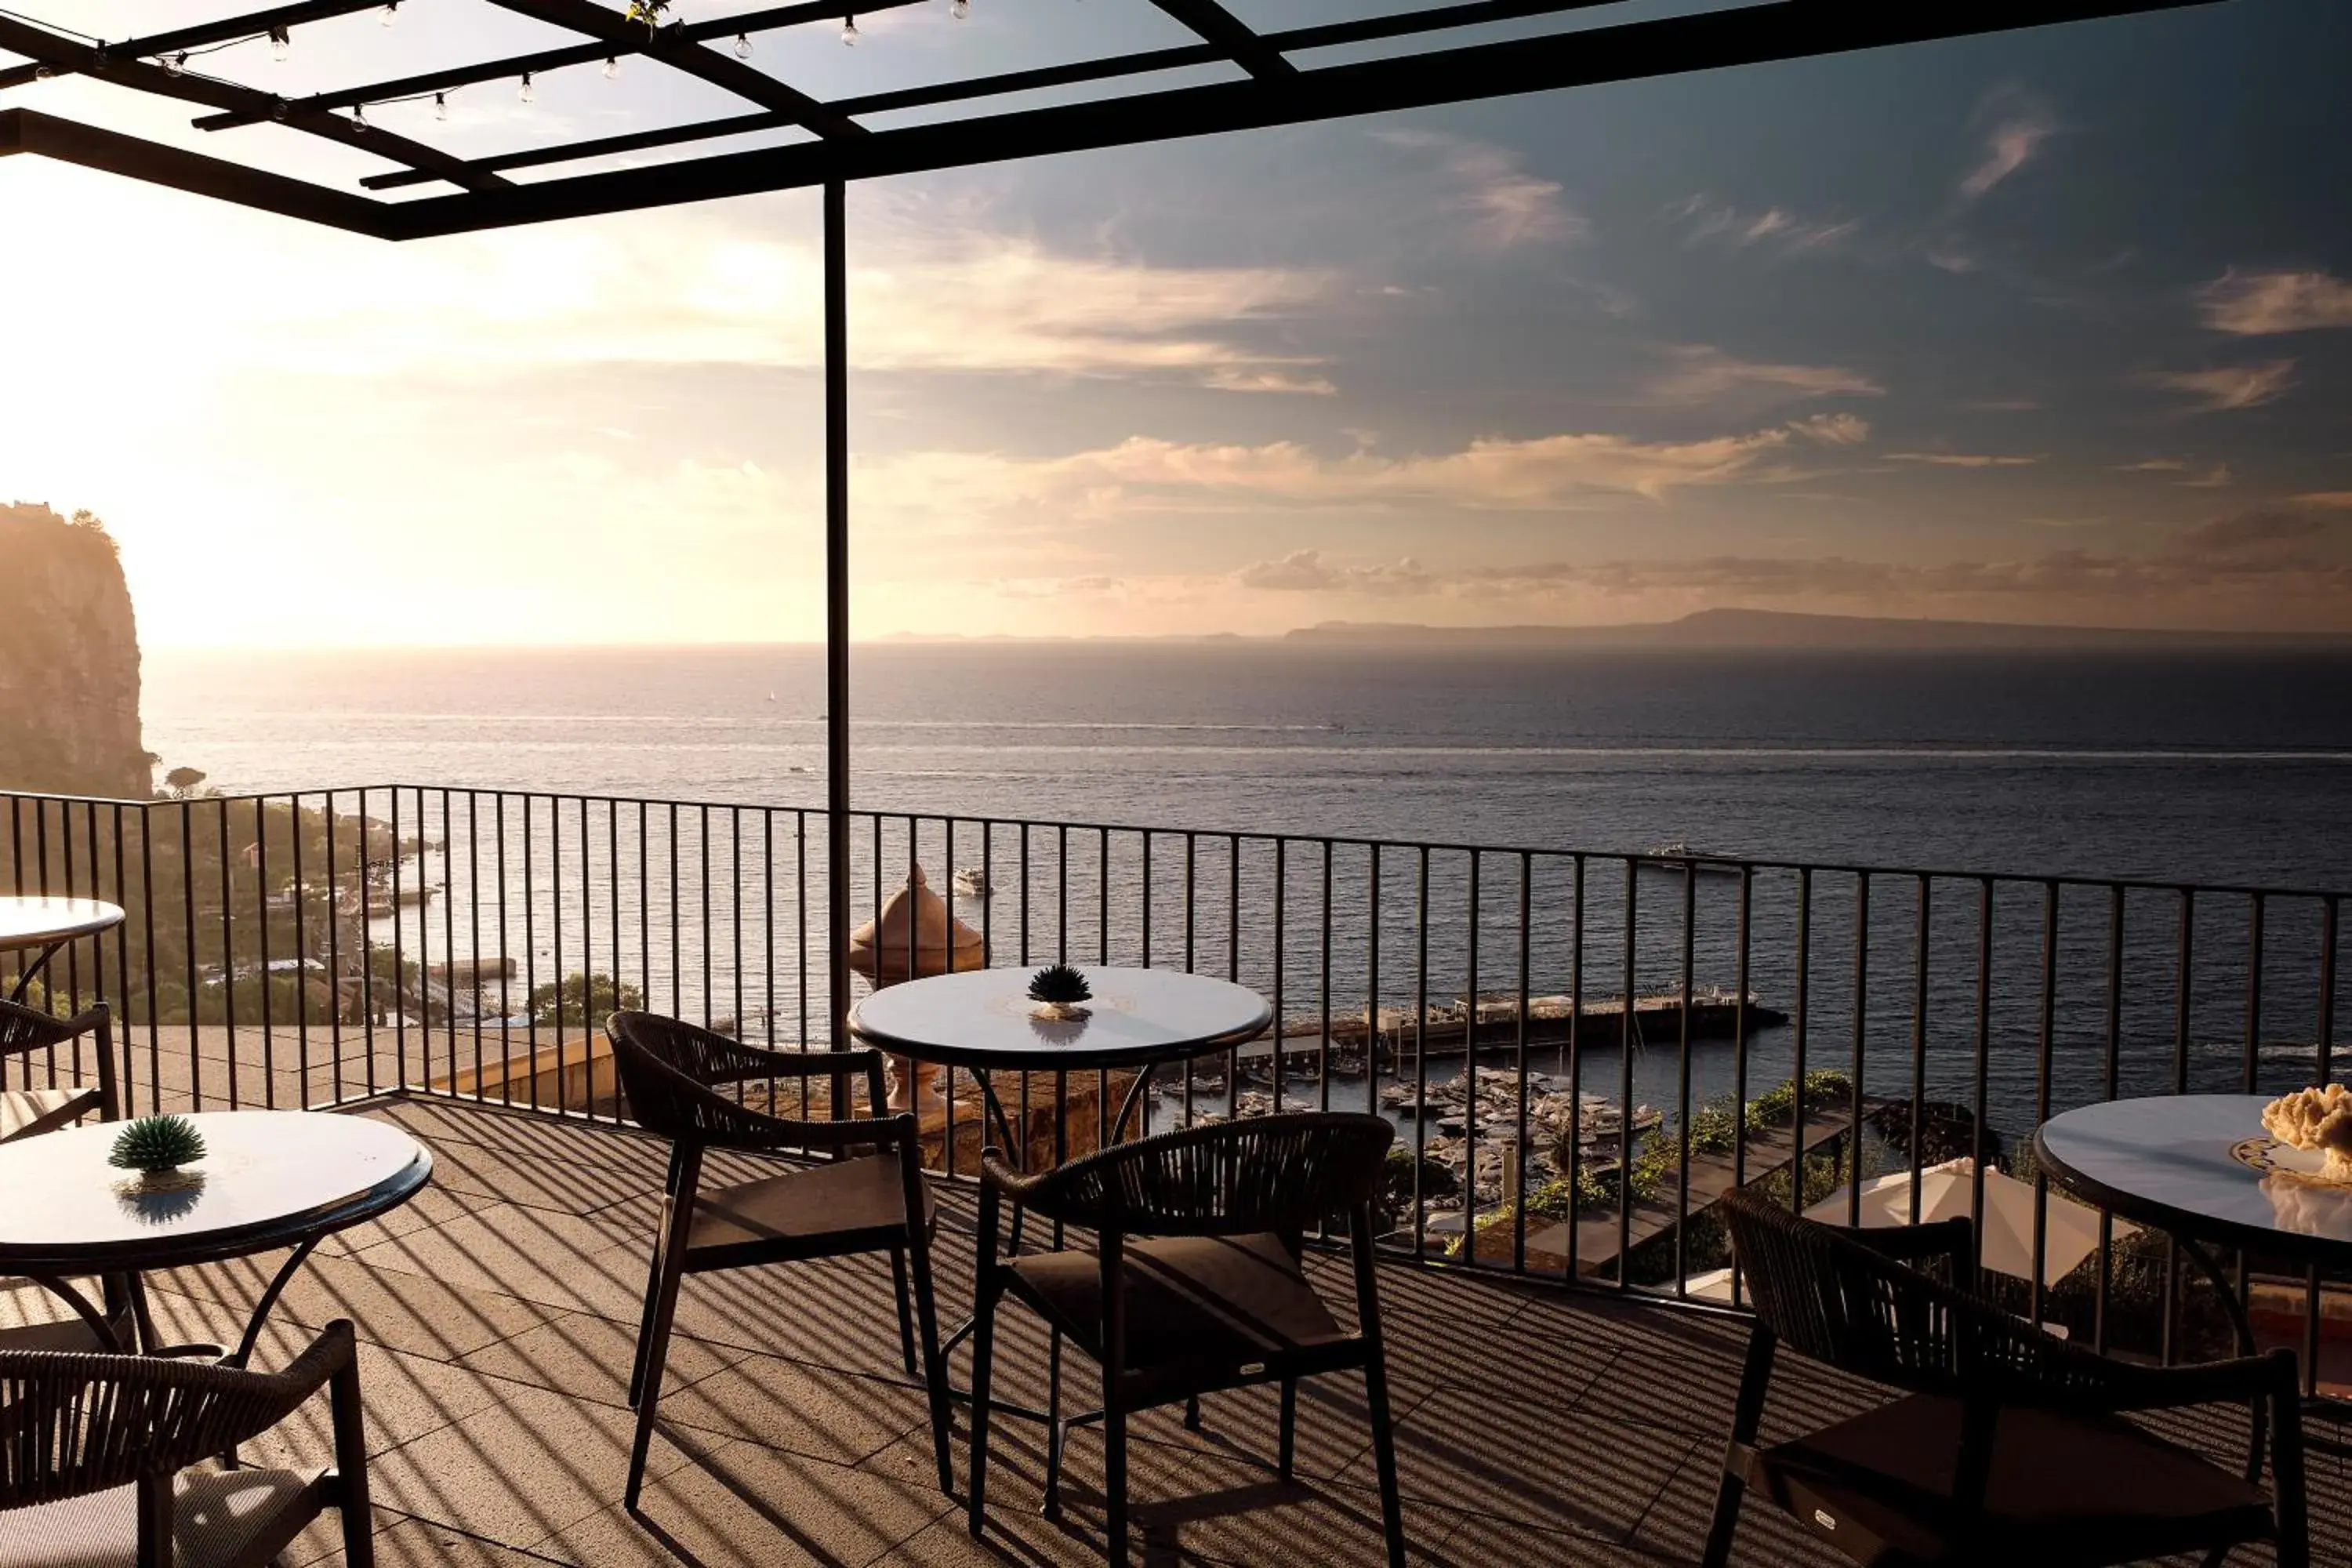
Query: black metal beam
(1471, 12)
(1778, 30)
(1231, 36)
(672, 47)
(511, 66)
(870, 104)
(156, 45)
(189, 87)
(69, 141)
(837, 610)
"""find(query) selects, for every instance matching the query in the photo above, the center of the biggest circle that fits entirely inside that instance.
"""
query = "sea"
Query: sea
(2213, 767)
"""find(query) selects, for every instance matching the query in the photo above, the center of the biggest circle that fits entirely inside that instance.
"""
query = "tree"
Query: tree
(184, 782)
(586, 1000)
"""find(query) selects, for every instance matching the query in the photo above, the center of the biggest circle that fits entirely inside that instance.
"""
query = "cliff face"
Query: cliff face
(68, 660)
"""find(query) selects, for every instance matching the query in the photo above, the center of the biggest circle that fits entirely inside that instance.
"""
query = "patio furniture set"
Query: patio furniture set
(1176, 1265)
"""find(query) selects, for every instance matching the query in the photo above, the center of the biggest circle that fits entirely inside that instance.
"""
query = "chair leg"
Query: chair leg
(1192, 1413)
(1115, 1488)
(983, 1361)
(1747, 1418)
(654, 1268)
(1054, 1432)
(1289, 1447)
(1376, 1400)
(935, 1365)
(2287, 1471)
(654, 1352)
(906, 1314)
(356, 1512)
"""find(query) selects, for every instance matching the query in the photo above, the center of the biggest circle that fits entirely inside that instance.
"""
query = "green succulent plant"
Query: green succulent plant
(1059, 984)
(157, 1143)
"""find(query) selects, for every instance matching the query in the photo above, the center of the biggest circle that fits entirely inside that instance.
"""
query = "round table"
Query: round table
(979, 1019)
(2200, 1168)
(48, 924)
(268, 1179)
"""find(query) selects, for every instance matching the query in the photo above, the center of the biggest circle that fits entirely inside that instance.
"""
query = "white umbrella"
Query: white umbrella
(1945, 1193)
(2005, 1230)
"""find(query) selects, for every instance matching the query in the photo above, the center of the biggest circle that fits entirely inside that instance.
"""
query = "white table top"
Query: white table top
(38, 921)
(270, 1176)
(981, 1018)
(2199, 1165)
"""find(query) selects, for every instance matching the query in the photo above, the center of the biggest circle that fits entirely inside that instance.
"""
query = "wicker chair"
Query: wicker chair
(1215, 1300)
(102, 1459)
(2012, 1445)
(871, 1197)
(26, 1109)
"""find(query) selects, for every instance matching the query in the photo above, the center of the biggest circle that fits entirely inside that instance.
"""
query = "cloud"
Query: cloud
(2339, 499)
(1962, 459)
(1312, 572)
(1777, 229)
(1235, 378)
(2234, 572)
(2259, 304)
(2258, 531)
(1696, 373)
(2153, 466)
(1505, 206)
(2218, 478)
(1146, 474)
(2018, 123)
(2229, 386)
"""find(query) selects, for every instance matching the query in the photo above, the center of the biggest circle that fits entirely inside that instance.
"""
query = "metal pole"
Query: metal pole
(836, 607)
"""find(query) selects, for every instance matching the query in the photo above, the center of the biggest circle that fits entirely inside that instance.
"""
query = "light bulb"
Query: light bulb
(176, 65)
(440, 106)
(742, 46)
(359, 117)
(529, 94)
(613, 68)
(960, 9)
(391, 12)
(281, 43)
(43, 73)
(849, 31)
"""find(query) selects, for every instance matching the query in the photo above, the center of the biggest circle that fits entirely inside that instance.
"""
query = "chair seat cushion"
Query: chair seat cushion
(217, 1513)
(805, 1207)
(25, 1111)
(2063, 1489)
(1195, 1301)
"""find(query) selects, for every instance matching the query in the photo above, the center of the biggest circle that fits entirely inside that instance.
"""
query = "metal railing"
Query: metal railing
(1581, 1049)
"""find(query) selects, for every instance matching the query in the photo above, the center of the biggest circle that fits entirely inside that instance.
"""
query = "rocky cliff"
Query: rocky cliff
(68, 660)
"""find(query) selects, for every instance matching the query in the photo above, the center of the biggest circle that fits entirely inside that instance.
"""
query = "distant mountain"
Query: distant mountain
(1780, 629)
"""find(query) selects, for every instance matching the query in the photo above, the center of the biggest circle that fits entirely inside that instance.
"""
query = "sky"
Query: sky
(2050, 327)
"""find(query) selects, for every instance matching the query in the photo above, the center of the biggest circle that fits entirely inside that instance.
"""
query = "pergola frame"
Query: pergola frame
(1273, 89)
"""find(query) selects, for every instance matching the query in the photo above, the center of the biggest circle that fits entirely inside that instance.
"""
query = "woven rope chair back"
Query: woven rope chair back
(1831, 1297)
(24, 1029)
(74, 1422)
(667, 1067)
(1281, 1174)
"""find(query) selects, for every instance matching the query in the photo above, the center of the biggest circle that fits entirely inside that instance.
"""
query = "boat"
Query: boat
(972, 882)
(1672, 854)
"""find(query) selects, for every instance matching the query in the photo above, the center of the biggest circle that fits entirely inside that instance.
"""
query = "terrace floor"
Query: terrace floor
(498, 1308)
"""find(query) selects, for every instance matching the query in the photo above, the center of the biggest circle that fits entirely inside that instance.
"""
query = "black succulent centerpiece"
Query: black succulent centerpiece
(1059, 990)
(157, 1146)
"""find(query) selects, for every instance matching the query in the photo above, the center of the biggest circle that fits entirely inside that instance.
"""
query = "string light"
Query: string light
(611, 68)
(391, 12)
(359, 117)
(281, 43)
(176, 65)
(529, 94)
(960, 9)
(742, 46)
(440, 106)
(849, 31)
